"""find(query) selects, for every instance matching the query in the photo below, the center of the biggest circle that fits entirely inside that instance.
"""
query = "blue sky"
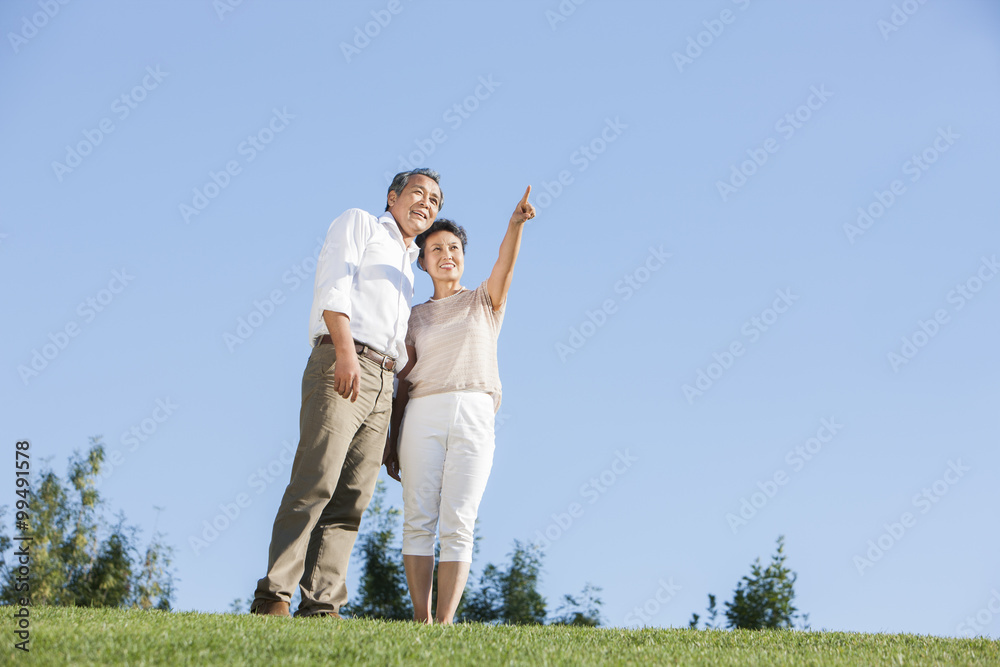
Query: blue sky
(758, 298)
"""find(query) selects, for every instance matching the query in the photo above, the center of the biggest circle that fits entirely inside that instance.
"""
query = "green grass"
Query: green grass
(75, 636)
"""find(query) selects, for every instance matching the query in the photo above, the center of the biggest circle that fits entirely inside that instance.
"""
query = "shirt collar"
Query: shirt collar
(390, 222)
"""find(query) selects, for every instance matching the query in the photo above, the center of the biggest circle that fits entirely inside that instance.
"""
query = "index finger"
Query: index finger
(524, 199)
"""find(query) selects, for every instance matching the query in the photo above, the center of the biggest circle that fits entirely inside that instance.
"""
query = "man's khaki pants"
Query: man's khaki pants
(333, 477)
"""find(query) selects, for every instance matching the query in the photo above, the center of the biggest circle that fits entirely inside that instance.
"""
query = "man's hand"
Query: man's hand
(347, 375)
(524, 211)
(346, 369)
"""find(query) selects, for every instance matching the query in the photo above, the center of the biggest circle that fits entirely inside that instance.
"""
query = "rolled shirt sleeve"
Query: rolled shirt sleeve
(364, 271)
(339, 260)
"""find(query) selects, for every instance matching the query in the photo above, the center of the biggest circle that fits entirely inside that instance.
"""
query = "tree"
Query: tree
(509, 595)
(502, 595)
(76, 558)
(522, 603)
(762, 599)
(713, 612)
(383, 592)
(483, 603)
(154, 583)
(584, 610)
(106, 582)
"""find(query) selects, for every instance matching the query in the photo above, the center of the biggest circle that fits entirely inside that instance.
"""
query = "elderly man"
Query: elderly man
(361, 304)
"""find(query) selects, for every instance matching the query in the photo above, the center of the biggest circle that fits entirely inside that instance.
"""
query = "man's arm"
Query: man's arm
(338, 262)
(390, 456)
(503, 271)
(346, 369)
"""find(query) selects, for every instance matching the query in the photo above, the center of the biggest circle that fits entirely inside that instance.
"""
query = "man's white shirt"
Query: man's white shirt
(365, 271)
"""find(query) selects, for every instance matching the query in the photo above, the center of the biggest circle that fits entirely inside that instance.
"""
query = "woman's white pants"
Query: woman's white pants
(445, 456)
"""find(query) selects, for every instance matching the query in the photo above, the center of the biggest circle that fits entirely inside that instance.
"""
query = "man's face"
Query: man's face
(417, 207)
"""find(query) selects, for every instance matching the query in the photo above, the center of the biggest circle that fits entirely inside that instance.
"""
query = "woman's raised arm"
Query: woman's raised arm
(503, 271)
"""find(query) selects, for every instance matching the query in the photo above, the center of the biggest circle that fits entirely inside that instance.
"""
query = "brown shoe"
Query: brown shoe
(269, 608)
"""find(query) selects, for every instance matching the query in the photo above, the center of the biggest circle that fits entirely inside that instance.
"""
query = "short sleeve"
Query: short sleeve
(487, 303)
(411, 325)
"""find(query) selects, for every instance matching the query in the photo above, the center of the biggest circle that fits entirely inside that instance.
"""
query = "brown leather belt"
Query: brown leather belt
(383, 360)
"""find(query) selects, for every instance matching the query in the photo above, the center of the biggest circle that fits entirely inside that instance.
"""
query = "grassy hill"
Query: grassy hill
(61, 636)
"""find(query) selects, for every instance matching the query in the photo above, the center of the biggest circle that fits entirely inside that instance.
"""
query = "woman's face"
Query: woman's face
(444, 258)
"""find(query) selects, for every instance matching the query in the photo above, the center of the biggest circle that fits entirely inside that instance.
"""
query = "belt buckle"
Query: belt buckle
(385, 361)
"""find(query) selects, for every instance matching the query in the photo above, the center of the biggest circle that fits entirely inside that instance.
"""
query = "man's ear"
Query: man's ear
(390, 198)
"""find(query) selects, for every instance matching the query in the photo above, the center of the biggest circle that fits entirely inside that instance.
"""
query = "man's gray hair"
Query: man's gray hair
(402, 178)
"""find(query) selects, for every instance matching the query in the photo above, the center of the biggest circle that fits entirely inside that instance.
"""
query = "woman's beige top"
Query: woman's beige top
(456, 343)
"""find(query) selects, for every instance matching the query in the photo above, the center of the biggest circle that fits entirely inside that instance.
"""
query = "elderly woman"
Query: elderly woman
(441, 448)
